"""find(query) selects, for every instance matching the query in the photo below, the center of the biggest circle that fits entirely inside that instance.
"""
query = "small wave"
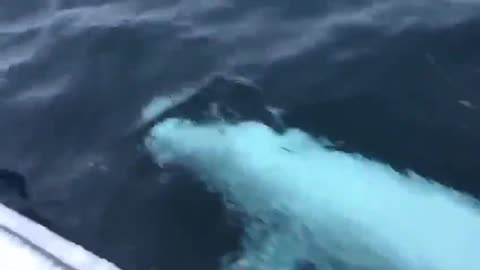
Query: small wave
(40, 92)
(269, 37)
(266, 36)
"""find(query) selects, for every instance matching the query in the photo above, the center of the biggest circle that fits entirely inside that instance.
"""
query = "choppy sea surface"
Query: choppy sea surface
(82, 84)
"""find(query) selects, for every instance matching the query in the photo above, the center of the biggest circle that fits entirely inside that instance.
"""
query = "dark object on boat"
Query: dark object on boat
(14, 180)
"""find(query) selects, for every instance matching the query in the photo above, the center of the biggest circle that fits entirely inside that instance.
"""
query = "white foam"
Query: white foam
(314, 202)
(161, 104)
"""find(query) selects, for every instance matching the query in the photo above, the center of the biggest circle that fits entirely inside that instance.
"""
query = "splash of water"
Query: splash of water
(337, 210)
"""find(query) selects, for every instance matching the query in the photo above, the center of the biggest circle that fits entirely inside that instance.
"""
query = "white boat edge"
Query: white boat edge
(45, 243)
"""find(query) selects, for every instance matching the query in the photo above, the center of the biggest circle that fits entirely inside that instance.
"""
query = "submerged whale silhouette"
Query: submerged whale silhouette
(221, 97)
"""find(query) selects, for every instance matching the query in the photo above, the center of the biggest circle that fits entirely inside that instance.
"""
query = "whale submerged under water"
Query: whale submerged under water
(336, 210)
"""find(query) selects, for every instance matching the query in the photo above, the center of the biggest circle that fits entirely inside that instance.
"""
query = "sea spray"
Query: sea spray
(340, 211)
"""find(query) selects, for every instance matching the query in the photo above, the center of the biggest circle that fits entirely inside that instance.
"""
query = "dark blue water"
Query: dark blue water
(398, 82)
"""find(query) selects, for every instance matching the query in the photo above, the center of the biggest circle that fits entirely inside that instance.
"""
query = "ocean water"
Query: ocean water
(308, 121)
